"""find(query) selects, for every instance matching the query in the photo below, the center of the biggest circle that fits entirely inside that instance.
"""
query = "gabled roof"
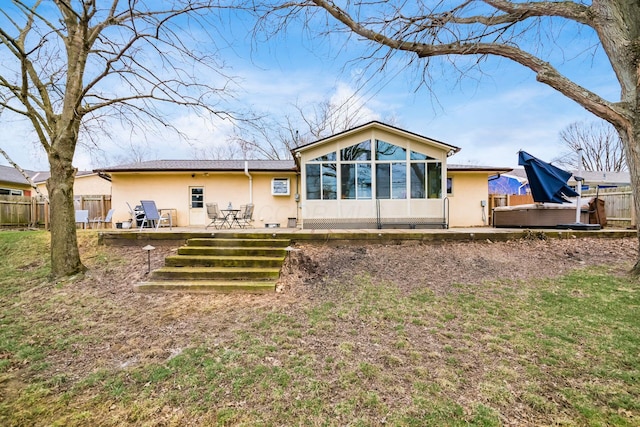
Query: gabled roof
(592, 177)
(39, 177)
(204, 166)
(604, 178)
(12, 175)
(379, 125)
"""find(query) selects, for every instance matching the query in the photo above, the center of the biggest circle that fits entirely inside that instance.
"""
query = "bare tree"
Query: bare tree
(514, 30)
(65, 63)
(601, 145)
(274, 137)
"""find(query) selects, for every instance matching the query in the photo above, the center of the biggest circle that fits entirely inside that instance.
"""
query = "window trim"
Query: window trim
(277, 190)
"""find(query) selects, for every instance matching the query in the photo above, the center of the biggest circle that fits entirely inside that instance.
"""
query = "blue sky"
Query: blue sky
(489, 115)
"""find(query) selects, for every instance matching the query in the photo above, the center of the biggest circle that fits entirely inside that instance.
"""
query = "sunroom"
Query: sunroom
(374, 176)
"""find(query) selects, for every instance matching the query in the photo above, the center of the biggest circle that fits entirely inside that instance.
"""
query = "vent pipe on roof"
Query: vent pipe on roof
(246, 172)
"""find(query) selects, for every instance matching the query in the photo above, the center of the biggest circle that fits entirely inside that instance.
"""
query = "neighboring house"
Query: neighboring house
(592, 179)
(85, 183)
(507, 183)
(183, 187)
(370, 175)
(13, 183)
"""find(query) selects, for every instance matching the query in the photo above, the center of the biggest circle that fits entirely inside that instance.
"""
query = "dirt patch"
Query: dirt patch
(439, 265)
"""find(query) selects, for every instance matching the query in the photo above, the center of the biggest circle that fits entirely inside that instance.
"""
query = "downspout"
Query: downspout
(246, 172)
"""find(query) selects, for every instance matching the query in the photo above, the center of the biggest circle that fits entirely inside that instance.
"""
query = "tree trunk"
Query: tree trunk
(633, 163)
(65, 255)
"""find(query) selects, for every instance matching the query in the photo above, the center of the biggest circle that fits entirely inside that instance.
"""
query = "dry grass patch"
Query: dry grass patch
(348, 342)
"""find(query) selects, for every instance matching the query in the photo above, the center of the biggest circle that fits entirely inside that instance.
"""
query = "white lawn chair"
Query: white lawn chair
(82, 217)
(103, 221)
(152, 216)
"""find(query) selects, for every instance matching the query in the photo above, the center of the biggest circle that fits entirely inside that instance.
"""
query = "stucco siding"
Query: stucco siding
(84, 185)
(172, 190)
(465, 207)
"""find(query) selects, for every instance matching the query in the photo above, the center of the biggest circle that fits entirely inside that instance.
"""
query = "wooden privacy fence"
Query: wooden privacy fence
(618, 205)
(20, 211)
(23, 211)
(97, 205)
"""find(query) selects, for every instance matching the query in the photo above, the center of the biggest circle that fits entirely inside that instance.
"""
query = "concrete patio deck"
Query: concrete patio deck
(177, 235)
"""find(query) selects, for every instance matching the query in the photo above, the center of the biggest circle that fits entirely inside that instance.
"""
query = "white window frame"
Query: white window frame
(13, 192)
(280, 190)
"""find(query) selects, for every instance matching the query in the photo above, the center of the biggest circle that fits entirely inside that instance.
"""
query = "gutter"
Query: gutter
(246, 172)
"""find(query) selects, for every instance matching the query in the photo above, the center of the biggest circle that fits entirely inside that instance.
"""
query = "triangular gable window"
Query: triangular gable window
(419, 156)
(358, 152)
(386, 151)
(329, 157)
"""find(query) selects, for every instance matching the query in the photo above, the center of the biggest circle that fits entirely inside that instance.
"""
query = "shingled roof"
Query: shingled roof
(11, 174)
(203, 165)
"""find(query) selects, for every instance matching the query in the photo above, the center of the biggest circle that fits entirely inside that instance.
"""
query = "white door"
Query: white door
(196, 206)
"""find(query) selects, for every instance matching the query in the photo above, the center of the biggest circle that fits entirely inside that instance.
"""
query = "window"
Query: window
(386, 151)
(197, 197)
(449, 186)
(417, 180)
(280, 187)
(398, 173)
(434, 180)
(321, 178)
(8, 192)
(391, 174)
(355, 171)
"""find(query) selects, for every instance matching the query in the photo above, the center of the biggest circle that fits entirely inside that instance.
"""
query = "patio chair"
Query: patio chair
(214, 214)
(103, 221)
(152, 216)
(82, 217)
(246, 219)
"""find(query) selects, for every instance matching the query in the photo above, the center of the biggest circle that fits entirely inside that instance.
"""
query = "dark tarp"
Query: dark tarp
(548, 183)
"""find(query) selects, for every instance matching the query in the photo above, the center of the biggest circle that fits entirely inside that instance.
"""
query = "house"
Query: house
(85, 183)
(507, 183)
(374, 175)
(592, 179)
(13, 183)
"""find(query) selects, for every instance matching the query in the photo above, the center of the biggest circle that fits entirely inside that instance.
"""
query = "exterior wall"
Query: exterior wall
(171, 190)
(469, 190)
(354, 210)
(90, 185)
(26, 188)
(84, 185)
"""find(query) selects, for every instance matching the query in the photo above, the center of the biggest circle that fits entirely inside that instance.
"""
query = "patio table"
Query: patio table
(230, 217)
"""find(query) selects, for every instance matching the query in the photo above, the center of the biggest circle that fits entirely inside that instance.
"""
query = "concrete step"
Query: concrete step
(206, 286)
(215, 273)
(253, 243)
(232, 251)
(223, 261)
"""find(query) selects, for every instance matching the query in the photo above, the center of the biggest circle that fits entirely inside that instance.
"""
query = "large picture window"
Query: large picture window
(321, 178)
(426, 176)
(391, 171)
(398, 173)
(355, 171)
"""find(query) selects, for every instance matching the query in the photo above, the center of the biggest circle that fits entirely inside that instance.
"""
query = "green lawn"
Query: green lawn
(562, 351)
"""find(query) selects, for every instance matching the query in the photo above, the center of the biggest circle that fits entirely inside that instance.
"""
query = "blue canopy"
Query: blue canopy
(548, 183)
